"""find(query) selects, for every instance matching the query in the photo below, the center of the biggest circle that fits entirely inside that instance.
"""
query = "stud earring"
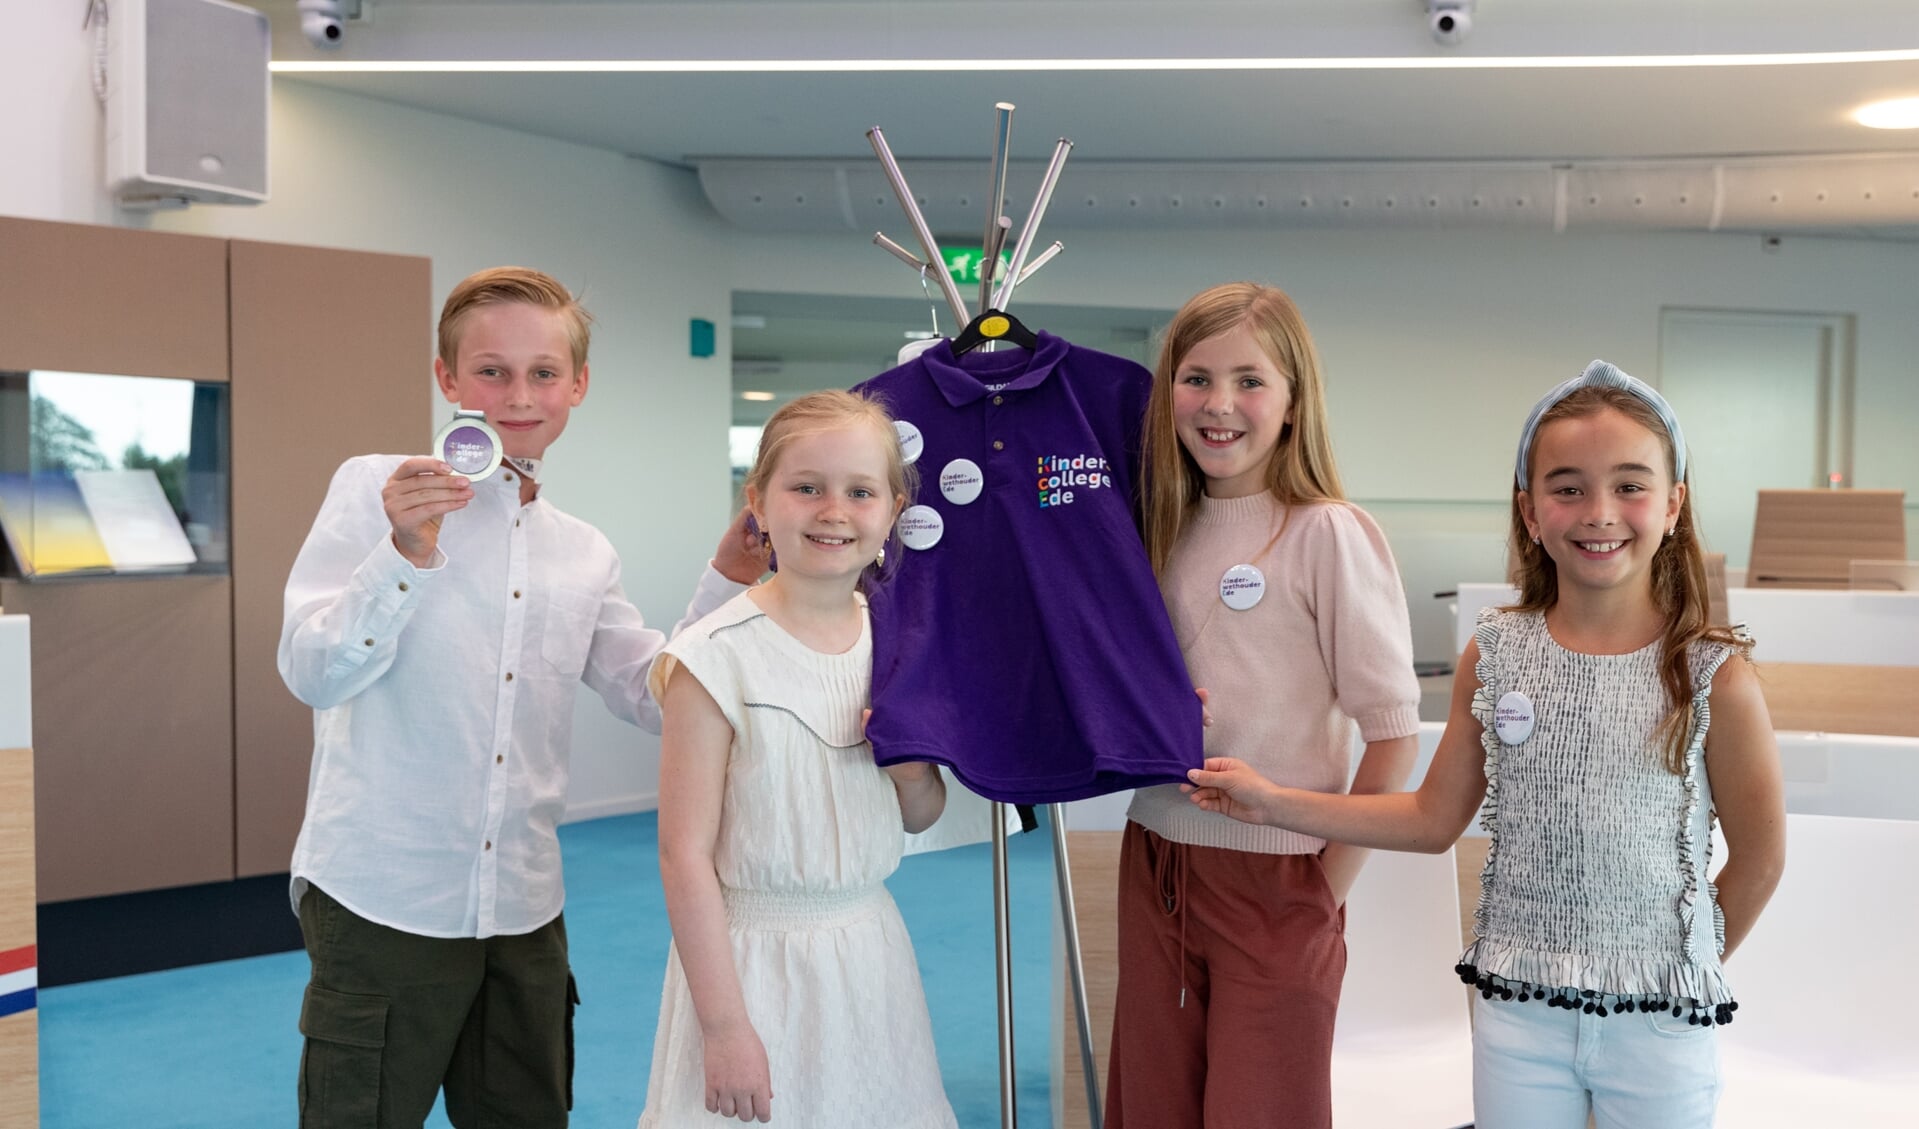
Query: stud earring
(1535, 539)
(766, 539)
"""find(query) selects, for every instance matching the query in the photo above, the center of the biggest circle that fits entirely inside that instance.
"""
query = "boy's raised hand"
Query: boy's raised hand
(741, 557)
(1232, 787)
(421, 492)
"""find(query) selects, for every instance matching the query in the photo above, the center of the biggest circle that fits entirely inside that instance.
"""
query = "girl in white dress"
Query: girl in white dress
(792, 994)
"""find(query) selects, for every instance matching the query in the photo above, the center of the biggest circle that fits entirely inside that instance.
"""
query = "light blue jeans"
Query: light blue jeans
(1540, 1067)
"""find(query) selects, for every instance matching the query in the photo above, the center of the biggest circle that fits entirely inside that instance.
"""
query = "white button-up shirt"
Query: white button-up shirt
(443, 700)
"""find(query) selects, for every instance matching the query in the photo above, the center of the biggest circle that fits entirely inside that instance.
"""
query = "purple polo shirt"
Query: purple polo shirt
(1024, 644)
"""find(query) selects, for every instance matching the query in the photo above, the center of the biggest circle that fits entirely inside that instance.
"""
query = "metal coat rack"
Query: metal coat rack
(994, 297)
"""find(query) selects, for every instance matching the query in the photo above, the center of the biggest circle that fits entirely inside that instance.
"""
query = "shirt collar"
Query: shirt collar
(964, 380)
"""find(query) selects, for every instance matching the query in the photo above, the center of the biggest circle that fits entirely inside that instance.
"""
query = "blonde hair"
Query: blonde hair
(832, 410)
(496, 285)
(1678, 571)
(1301, 469)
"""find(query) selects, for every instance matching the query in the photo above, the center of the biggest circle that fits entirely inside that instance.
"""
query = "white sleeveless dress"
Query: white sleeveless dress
(809, 830)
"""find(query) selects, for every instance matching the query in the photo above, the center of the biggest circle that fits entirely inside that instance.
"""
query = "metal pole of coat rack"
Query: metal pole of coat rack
(1017, 271)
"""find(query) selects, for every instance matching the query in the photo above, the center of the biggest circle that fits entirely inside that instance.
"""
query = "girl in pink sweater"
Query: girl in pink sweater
(1290, 613)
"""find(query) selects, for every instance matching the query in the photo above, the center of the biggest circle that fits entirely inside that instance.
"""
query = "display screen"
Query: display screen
(112, 473)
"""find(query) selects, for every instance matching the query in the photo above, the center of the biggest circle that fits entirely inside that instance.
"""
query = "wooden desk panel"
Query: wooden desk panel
(1095, 865)
(20, 1070)
(1834, 698)
(19, 1031)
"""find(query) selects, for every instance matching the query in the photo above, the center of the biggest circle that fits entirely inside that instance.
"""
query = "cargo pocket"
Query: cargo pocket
(340, 1065)
(572, 1002)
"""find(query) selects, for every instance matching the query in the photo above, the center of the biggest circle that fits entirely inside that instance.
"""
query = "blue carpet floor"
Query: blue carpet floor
(216, 1046)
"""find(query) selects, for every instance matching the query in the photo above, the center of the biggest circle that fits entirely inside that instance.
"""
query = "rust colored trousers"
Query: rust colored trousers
(1256, 948)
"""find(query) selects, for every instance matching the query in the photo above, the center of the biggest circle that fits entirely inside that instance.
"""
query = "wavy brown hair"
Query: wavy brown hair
(1678, 571)
(1301, 469)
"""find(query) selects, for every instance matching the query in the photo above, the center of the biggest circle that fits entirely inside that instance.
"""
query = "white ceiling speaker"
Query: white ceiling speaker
(187, 94)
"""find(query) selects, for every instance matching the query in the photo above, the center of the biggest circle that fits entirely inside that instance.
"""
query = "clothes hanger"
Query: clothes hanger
(993, 325)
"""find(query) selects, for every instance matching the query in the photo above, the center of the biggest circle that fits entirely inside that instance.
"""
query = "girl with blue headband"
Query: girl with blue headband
(1604, 727)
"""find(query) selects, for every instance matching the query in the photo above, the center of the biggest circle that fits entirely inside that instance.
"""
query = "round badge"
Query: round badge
(469, 445)
(921, 527)
(1241, 587)
(1513, 718)
(961, 481)
(911, 442)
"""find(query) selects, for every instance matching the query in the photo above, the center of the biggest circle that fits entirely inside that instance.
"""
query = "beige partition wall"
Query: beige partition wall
(19, 1019)
(104, 299)
(133, 732)
(332, 357)
(169, 753)
(134, 698)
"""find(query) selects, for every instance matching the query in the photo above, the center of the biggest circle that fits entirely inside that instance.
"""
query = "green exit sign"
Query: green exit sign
(963, 263)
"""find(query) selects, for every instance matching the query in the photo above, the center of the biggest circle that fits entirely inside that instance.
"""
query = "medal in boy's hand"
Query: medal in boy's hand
(469, 445)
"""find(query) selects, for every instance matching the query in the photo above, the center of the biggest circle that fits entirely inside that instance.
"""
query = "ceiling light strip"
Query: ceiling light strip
(840, 66)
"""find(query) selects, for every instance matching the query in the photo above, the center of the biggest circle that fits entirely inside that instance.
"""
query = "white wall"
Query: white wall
(1435, 342)
(51, 128)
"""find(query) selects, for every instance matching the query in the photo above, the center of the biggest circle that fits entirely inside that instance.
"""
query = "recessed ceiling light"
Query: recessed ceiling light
(749, 321)
(920, 335)
(760, 396)
(1894, 113)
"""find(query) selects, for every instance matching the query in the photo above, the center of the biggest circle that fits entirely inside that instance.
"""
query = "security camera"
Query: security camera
(323, 22)
(1450, 21)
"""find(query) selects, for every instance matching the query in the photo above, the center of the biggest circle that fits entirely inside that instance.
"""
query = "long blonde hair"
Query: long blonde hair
(1678, 572)
(1301, 469)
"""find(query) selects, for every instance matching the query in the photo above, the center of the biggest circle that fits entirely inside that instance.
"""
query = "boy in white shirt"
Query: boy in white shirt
(437, 627)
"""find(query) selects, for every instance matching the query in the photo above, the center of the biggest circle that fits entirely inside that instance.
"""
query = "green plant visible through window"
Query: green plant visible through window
(60, 442)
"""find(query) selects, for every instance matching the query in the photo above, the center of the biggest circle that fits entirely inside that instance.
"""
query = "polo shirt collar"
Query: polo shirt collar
(965, 380)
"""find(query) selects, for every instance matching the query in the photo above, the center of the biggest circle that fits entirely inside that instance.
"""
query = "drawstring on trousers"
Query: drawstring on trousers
(1169, 873)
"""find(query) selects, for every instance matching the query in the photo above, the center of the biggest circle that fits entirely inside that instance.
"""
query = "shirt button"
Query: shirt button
(516, 593)
(369, 642)
(403, 586)
(489, 844)
(999, 399)
(516, 523)
(998, 445)
(509, 478)
(499, 758)
(509, 676)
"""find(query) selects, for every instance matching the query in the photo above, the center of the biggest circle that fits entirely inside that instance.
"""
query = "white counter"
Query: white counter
(16, 697)
(1793, 625)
